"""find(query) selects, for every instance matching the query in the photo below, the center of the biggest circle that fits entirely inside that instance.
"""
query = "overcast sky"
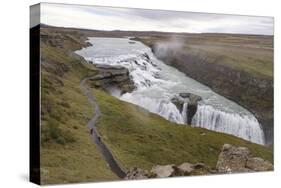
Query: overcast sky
(106, 18)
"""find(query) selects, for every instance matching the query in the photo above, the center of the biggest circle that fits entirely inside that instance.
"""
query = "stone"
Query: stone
(199, 165)
(136, 173)
(233, 159)
(226, 147)
(163, 171)
(185, 168)
(258, 164)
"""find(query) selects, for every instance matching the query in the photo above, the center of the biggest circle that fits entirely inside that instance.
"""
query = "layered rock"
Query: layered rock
(113, 77)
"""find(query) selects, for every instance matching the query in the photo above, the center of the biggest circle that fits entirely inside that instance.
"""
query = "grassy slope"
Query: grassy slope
(67, 152)
(142, 139)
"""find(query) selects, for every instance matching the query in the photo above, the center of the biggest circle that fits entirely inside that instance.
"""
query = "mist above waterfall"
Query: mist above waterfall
(161, 49)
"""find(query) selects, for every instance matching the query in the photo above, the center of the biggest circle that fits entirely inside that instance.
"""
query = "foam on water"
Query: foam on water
(156, 83)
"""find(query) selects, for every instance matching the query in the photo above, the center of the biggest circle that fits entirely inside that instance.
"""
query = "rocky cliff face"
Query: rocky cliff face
(252, 92)
(111, 78)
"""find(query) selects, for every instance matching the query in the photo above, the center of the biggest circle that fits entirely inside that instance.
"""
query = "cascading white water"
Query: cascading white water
(156, 83)
(235, 124)
(184, 112)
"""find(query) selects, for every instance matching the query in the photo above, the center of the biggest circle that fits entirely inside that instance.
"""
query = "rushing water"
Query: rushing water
(156, 83)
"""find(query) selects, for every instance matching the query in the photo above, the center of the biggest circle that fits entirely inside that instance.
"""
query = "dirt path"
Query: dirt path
(105, 151)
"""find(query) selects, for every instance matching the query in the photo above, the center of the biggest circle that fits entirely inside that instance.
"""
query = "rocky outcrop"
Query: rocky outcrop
(192, 101)
(231, 160)
(239, 159)
(113, 76)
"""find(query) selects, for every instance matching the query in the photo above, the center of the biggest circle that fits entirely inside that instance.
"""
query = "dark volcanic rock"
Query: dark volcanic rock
(192, 101)
(192, 106)
(178, 102)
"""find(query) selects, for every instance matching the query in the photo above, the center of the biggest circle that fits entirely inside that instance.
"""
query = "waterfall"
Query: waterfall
(157, 83)
(243, 126)
(184, 112)
(161, 107)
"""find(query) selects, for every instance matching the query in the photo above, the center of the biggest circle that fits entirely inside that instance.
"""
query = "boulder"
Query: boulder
(163, 171)
(199, 165)
(239, 159)
(136, 173)
(185, 168)
(233, 159)
(258, 164)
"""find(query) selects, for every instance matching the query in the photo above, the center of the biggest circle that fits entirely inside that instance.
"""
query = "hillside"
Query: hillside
(135, 136)
(67, 152)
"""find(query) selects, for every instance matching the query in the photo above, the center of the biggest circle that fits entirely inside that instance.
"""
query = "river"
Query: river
(156, 83)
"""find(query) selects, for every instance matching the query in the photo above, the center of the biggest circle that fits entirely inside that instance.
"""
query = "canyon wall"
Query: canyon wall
(255, 93)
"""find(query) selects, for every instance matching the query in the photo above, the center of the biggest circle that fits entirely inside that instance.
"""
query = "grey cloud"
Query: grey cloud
(110, 18)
